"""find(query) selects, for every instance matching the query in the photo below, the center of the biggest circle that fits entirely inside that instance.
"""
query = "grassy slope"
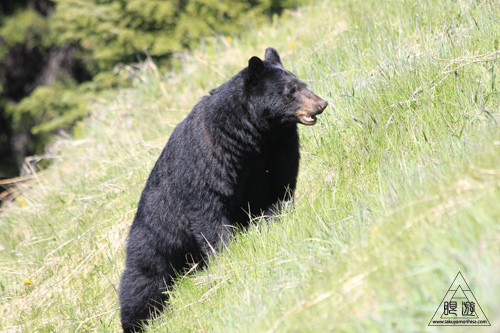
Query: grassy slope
(397, 191)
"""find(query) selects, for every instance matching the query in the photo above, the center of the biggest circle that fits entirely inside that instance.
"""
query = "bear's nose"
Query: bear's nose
(321, 106)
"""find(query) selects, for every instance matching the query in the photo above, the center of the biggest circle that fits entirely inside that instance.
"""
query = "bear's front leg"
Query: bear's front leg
(212, 235)
(284, 167)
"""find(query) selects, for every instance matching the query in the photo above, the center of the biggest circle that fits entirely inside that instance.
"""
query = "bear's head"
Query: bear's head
(279, 94)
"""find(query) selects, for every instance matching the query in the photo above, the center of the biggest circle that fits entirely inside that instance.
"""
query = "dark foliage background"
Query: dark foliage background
(55, 55)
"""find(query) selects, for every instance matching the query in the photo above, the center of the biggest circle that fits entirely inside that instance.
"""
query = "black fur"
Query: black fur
(235, 154)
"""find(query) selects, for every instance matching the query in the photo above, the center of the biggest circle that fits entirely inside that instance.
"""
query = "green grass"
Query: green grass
(398, 187)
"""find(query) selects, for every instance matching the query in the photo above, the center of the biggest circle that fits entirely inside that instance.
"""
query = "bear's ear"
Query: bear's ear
(255, 68)
(273, 55)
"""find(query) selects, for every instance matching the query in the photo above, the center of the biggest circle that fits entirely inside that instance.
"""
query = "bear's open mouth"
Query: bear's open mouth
(307, 119)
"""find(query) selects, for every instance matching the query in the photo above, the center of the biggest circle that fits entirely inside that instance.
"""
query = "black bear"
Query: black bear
(234, 157)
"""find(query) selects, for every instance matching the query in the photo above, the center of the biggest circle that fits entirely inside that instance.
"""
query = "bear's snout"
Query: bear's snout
(321, 106)
(312, 105)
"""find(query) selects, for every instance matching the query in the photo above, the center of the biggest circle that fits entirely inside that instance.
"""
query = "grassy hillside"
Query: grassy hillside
(398, 187)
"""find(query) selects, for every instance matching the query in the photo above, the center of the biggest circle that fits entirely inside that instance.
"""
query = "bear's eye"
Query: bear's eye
(292, 90)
